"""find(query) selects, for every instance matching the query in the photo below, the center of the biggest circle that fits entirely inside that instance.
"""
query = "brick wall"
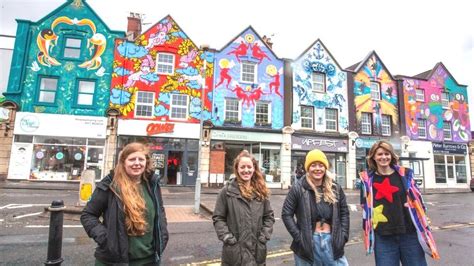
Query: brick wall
(217, 162)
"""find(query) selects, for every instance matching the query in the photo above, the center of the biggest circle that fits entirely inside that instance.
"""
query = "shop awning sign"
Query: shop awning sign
(324, 144)
(449, 148)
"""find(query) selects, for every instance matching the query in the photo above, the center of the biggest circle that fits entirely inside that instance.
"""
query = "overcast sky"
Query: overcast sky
(410, 36)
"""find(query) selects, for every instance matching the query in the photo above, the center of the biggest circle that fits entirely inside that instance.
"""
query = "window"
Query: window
(318, 82)
(447, 130)
(165, 64)
(145, 104)
(421, 128)
(420, 95)
(445, 100)
(374, 90)
(331, 119)
(366, 123)
(440, 169)
(85, 92)
(262, 113)
(249, 72)
(232, 110)
(386, 125)
(461, 173)
(307, 117)
(72, 47)
(48, 87)
(179, 106)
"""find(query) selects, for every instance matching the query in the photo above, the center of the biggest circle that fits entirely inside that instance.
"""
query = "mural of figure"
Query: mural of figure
(275, 84)
(147, 64)
(161, 36)
(240, 93)
(255, 96)
(188, 58)
(258, 53)
(46, 40)
(226, 66)
(241, 50)
(97, 43)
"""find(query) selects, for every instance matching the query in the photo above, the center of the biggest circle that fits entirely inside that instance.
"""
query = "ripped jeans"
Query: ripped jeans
(322, 253)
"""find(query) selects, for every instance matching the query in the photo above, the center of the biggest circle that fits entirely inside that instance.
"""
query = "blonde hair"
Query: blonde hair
(130, 191)
(257, 182)
(328, 193)
(386, 146)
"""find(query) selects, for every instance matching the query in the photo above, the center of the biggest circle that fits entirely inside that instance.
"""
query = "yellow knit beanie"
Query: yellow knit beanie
(315, 156)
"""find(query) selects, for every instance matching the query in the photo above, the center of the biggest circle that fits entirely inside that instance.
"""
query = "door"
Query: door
(191, 169)
(158, 159)
(450, 171)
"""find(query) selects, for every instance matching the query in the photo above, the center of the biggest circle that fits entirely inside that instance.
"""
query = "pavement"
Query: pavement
(176, 213)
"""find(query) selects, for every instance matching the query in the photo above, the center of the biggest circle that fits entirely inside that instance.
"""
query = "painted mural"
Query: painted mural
(432, 110)
(374, 71)
(135, 69)
(268, 84)
(318, 59)
(46, 58)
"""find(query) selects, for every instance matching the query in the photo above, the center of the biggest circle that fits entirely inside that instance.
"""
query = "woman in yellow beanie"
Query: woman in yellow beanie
(321, 228)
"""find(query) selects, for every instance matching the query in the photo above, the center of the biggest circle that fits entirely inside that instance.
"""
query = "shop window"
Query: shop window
(165, 63)
(366, 123)
(85, 93)
(179, 106)
(318, 82)
(375, 90)
(270, 161)
(386, 125)
(420, 95)
(248, 72)
(232, 110)
(24, 138)
(47, 90)
(57, 162)
(440, 169)
(331, 119)
(263, 113)
(445, 100)
(307, 117)
(447, 130)
(144, 104)
(421, 127)
(72, 47)
(461, 173)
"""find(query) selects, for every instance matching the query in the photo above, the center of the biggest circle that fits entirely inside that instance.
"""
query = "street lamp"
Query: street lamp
(197, 192)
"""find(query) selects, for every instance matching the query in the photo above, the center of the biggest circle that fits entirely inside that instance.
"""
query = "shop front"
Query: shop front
(450, 164)
(265, 147)
(51, 147)
(363, 145)
(334, 148)
(174, 147)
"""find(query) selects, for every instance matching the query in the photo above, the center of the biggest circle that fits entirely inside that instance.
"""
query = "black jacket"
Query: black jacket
(297, 203)
(111, 234)
(244, 226)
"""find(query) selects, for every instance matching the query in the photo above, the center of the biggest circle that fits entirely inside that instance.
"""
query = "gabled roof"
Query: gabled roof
(326, 49)
(70, 2)
(429, 73)
(259, 37)
(170, 18)
(356, 67)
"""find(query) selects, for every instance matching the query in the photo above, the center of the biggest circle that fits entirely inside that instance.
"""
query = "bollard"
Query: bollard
(55, 240)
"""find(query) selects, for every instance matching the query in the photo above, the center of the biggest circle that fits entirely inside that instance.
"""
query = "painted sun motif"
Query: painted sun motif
(224, 63)
(271, 70)
(249, 38)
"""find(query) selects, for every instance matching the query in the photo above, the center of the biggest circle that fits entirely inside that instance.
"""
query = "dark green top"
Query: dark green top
(141, 247)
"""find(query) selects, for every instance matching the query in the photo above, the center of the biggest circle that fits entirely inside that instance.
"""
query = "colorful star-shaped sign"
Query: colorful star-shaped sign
(385, 190)
(378, 216)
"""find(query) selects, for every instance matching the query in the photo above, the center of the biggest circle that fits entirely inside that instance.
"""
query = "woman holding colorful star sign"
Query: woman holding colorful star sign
(395, 225)
(321, 229)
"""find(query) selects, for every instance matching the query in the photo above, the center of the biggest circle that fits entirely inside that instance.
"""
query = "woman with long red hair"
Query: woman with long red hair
(243, 218)
(133, 228)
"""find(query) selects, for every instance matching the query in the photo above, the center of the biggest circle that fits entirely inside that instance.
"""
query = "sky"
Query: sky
(410, 36)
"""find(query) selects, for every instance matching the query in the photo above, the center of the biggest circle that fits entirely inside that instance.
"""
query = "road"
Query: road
(24, 230)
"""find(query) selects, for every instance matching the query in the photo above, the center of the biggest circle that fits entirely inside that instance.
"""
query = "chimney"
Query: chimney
(134, 26)
(268, 41)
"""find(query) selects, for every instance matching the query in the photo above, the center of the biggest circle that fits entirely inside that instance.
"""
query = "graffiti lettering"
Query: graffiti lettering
(319, 142)
(158, 128)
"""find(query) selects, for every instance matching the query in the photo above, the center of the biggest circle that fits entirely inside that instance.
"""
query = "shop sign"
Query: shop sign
(324, 144)
(4, 114)
(29, 123)
(367, 143)
(159, 128)
(246, 136)
(449, 148)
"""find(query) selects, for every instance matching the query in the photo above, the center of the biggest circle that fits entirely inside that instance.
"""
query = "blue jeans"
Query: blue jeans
(322, 253)
(393, 249)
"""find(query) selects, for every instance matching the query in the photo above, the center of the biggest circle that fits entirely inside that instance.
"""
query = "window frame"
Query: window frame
(420, 97)
(64, 47)
(336, 121)
(167, 64)
(239, 108)
(255, 72)
(316, 73)
(379, 91)
(445, 130)
(385, 126)
(268, 114)
(180, 106)
(77, 92)
(39, 90)
(152, 105)
(362, 123)
(447, 100)
(424, 128)
(312, 117)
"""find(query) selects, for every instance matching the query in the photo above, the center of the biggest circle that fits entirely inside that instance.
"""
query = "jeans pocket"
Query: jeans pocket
(231, 254)
(261, 252)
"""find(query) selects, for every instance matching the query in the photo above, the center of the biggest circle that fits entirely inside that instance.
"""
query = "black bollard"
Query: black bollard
(55, 240)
